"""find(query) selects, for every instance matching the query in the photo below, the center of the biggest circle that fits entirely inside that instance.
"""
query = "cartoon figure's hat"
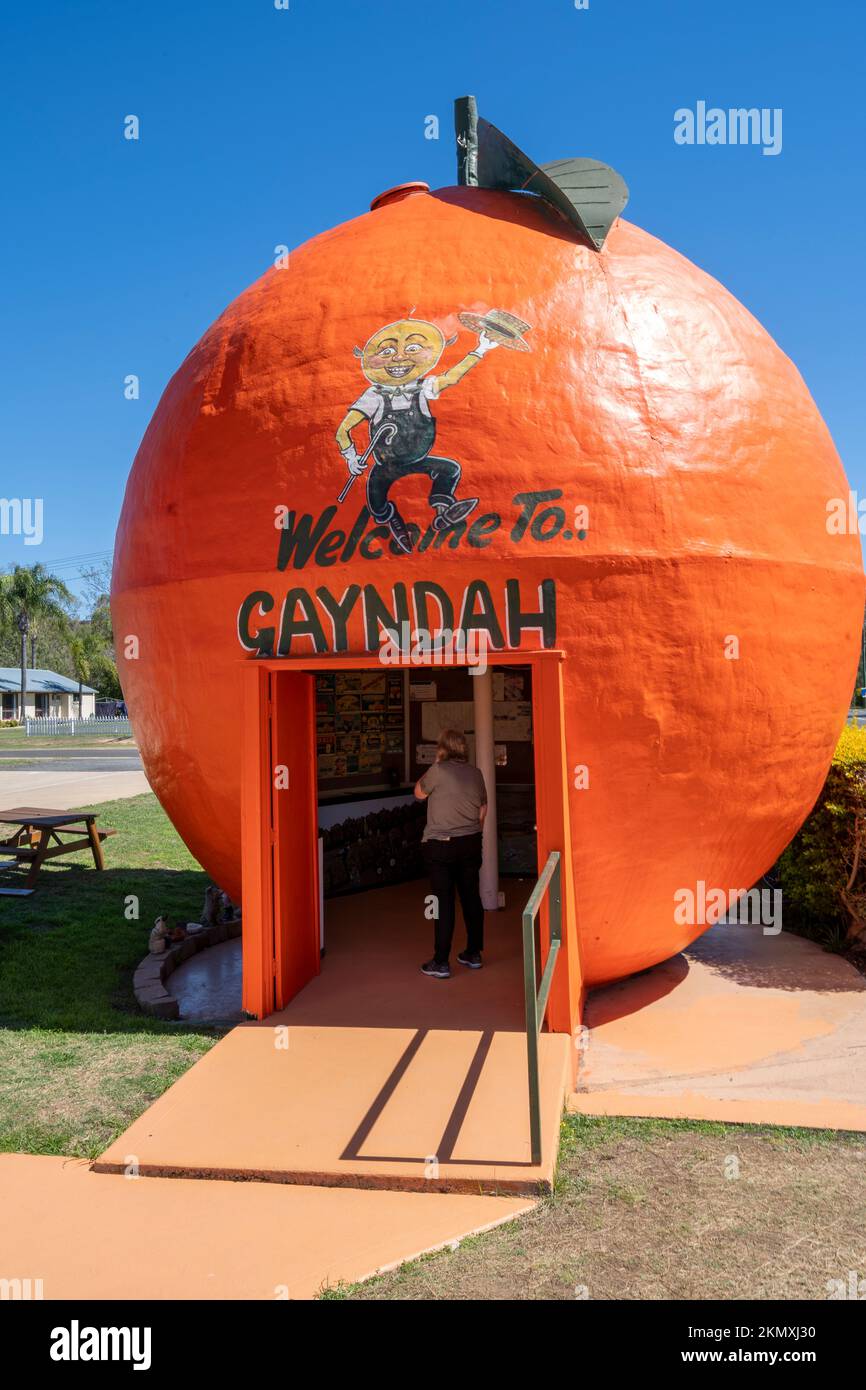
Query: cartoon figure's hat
(499, 325)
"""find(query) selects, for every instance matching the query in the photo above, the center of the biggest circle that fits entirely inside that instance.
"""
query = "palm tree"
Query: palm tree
(29, 593)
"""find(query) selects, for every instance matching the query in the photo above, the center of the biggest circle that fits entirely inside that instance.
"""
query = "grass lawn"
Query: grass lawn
(654, 1209)
(16, 740)
(78, 1061)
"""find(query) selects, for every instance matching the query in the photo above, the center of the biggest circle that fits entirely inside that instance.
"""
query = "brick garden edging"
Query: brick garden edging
(149, 980)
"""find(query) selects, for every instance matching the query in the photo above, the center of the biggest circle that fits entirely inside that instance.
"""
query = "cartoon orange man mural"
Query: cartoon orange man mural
(398, 362)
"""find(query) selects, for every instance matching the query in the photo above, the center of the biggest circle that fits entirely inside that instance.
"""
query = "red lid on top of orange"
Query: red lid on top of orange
(397, 193)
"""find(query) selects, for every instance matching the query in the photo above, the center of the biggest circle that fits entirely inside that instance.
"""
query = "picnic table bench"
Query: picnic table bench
(42, 835)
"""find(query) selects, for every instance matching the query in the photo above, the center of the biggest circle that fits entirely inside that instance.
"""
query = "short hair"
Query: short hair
(452, 745)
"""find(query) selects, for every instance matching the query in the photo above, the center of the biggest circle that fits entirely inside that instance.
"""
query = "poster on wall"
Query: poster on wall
(447, 714)
(512, 721)
(372, 682)
(425, 753)
(423, 690)
(509, 685)
(359, 725)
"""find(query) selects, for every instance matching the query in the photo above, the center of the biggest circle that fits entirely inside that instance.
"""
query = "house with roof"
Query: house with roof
(48, 695)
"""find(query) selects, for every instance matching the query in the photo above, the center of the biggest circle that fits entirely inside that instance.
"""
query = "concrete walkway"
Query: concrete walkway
(88, 1236)
(389, 1081)
(393, 1081)
(65, 791)
(740, 1027)
(375, 1075)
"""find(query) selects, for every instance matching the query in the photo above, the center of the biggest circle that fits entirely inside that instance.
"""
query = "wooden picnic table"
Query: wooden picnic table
(44, 834)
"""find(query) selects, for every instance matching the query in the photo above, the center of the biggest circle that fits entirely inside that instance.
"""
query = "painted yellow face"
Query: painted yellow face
(402, 352)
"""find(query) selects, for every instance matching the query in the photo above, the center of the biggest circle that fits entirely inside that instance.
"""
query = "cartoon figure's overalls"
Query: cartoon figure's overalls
(408, 451)
(397, 362)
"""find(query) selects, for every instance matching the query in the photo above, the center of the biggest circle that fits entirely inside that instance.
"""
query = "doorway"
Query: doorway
(288, 742)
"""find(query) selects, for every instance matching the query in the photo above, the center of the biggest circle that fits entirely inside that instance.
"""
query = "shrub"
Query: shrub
(823, 870)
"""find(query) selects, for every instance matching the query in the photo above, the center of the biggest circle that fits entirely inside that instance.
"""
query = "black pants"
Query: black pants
(454, 864)
(444, 475)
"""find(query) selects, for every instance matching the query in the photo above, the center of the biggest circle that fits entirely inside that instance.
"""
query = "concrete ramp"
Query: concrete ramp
(374, 1076)
(390, 1108)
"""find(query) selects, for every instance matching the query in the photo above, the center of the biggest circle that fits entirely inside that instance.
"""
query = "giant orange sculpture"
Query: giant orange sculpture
(647, 472)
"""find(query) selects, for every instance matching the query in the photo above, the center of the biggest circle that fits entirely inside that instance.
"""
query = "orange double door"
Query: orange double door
(279, 826)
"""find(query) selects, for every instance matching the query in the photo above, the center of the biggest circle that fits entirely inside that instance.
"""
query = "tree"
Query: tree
(85, 649)
(96, 597)
(96, 588)
(103, 674)
(29, 594)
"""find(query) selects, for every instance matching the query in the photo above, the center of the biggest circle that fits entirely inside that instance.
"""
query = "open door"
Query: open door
(279, 814)
(554, 833)
(280, 838)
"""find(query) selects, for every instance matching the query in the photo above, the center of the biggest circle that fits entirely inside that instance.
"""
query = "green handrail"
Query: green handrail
(536, 1004)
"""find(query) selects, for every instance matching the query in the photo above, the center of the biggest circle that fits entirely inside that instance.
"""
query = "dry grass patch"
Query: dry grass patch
(666, 1210)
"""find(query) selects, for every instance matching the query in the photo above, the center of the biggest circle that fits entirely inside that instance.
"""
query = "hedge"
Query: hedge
(823, 870)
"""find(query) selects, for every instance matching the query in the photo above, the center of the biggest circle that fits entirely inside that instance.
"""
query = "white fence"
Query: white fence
(78, 728)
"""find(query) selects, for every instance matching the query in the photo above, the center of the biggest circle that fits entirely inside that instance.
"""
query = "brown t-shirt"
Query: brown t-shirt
(455, 795)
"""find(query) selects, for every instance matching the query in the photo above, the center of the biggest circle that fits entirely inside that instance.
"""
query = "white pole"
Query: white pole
(485, 761)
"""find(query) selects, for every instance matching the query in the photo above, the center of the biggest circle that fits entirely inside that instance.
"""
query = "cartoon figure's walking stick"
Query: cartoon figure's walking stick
(385, 432)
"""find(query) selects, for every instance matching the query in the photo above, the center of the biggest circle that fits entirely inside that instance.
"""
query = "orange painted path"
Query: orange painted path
(88, 1236)
(740, 1027)
(374, 1076)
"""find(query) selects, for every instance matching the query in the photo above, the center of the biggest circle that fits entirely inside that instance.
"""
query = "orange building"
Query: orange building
(558, 448)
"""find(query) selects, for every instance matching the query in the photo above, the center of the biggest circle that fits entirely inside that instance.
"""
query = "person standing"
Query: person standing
(456, 807)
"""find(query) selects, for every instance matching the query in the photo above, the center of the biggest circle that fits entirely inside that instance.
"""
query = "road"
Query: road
(73, 759)
(59, 779)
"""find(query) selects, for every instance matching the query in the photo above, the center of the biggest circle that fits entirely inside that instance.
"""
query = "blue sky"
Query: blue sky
(262, 126)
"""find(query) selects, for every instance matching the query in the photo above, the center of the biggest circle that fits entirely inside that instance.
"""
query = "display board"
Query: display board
(363, 718)
(446, 702)
(512, 719)
(360, 728)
